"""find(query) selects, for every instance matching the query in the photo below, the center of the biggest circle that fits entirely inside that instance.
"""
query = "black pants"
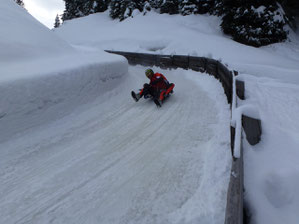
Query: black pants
(148, 89)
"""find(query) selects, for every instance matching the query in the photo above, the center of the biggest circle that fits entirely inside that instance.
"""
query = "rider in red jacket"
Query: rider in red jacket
(158, 88)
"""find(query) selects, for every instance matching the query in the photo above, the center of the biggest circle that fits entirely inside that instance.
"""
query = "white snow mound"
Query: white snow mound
(42, 77)
(22, 37)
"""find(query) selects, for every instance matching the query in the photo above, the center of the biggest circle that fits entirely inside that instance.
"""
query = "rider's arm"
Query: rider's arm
(160, 79)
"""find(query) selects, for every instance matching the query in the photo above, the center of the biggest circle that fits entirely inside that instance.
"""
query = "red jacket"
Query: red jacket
(159, 81)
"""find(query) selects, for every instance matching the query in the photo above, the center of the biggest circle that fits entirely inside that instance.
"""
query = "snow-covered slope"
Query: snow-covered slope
(271, 167)
(41, 95)
(197, 35)
(29, 48)
(39, 70)
(272, 86)
(22, 37)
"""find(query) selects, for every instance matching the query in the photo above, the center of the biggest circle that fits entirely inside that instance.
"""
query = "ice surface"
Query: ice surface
(112, 160)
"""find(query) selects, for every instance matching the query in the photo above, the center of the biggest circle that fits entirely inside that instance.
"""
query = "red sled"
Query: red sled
(159, 97)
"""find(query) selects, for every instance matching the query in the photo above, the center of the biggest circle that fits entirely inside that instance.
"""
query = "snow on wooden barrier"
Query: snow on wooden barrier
(251, 126)
(234, 205)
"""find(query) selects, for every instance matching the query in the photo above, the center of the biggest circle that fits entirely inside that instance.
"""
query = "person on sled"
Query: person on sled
(158, 88)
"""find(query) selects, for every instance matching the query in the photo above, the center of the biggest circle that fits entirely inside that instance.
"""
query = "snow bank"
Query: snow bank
(207, 199)
(42, 92)
(271, 167)
(22, 37)
(41, 76)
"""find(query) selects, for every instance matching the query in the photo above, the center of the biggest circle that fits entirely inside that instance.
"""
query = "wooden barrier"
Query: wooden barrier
(253, 129)
(201, 64)
(234, 205)
(240, 88)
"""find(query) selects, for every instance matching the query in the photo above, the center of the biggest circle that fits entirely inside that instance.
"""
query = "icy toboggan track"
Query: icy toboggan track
(116, 161)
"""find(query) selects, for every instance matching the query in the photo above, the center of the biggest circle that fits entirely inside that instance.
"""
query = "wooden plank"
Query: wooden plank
(224, 74)
(240, 88)
(234, 206)
(232, 139)
(197, 63)
(252, 128)
(211, 67)
(164, 61)
(180, 61)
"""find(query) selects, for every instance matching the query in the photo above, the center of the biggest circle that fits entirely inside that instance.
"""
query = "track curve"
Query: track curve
(117, 161)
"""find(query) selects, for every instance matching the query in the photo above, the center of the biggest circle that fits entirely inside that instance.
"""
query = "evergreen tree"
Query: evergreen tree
(100, 5)
(117, 9)
(218, 8)
(254, 22)
(156, 4)
(123, 9)
(170, 7)
(188, 7)
(79, 8)
(85, 7)
(291, 7)
(57, 22)
(20, 2)
(147, 7)
(205, 6)
(134, 5)
(71, 9)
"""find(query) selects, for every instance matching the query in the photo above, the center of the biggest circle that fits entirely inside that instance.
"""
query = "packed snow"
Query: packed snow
(116, 161)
